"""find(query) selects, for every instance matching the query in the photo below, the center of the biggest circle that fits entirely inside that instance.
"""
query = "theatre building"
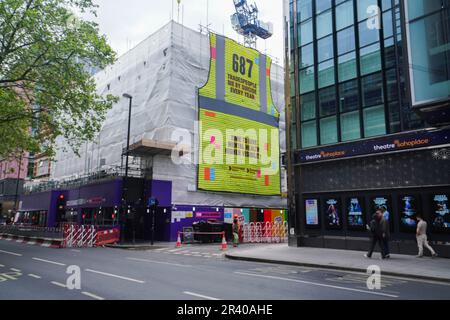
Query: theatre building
(368, 120)
(195, 100)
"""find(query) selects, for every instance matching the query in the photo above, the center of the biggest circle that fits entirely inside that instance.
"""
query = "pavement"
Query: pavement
(437, 269)
(193, 272)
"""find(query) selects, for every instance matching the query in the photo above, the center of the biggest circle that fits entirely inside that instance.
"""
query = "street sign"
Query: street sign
(153, 202)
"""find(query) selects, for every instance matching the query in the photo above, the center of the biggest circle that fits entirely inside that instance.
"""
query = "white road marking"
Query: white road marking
(188, 254)
(317, 284)
(34, 276)
(75, 250)
(58, 284)
(31, 243)
(114, 276)
(48, 261)
(91, 295)
(15, 270)
(199, 295)
(161, 262)
(2, 266)
(11, 253)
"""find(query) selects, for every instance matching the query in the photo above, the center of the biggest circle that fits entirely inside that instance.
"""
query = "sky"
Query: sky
(128, 22)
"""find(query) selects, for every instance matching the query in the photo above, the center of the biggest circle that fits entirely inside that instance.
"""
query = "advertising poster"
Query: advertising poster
(355, 215)
(312, 212)
(440, 215)
(408, 212)
(382, 203)
(333, 216)
(239, 149)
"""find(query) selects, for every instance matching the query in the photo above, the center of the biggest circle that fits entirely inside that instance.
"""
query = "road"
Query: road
(192, 273)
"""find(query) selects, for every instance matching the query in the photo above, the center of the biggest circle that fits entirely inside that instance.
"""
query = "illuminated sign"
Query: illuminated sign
(396, 143)
(312, 212)
(333, 215)
(408, 212)
(239, 149)
(441, 213)
(355, 215)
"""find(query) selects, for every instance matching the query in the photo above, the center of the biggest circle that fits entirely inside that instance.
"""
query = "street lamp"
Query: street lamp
(125, 187)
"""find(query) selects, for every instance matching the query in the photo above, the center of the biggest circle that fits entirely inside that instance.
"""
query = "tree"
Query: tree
(46, 89)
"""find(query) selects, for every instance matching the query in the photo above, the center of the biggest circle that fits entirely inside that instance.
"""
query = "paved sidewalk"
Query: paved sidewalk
(399, 265)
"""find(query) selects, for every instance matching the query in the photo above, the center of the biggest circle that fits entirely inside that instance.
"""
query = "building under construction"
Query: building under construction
(162, 75)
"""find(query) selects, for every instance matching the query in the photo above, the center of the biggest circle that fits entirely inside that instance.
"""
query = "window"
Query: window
(370, 59)
(392, 85)
(374, 121)
(307, 56)
(309, 134)
(324, 24)
(346, 40)
(390, 59)
(372, 88)
(367, 36)
(349, 99)
(363, 6)
(325, 48)
(326, 74)
(429, 38)
(327, 101)
(388, 28)
(305, 32)
(347, 67)
(322, 5)
(304, 8)
(350, 126)
(394, 117)
(308, 106)
(344, 15)
(328, 130)
(307, 80)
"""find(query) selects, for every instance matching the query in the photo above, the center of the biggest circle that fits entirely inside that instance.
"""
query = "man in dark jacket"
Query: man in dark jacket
(377, 230)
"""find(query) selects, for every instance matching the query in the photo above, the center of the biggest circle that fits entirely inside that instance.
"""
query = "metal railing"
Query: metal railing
(32, 231)
(77, 181)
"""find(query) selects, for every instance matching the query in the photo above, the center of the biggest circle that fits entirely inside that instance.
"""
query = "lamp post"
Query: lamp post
(125, 187)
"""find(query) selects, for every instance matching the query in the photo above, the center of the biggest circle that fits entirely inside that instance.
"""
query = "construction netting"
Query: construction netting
(163, 74)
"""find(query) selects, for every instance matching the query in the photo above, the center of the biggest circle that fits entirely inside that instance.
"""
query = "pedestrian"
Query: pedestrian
(235, 232)
(422, 239)
(386, 233)
(376, 231)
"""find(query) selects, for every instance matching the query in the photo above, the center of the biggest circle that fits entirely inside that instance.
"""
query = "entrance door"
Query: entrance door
(162, 225)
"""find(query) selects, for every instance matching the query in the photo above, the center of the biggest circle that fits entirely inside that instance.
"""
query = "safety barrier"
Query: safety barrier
(76, 236)
(108, 236)
(88, 236)
(267, 232)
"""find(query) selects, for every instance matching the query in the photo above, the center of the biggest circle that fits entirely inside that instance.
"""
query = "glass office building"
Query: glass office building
(369, 103)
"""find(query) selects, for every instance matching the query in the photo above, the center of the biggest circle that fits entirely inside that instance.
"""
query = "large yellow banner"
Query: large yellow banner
(239, 135)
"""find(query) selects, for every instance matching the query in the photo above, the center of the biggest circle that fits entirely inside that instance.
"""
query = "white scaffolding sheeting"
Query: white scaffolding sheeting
(162, 74)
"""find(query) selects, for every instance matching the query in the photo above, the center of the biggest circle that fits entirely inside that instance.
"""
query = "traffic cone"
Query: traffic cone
(178, 241)
(224, 243)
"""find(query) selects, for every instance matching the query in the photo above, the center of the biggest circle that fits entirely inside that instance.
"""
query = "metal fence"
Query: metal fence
(267, 232)
(33, 231)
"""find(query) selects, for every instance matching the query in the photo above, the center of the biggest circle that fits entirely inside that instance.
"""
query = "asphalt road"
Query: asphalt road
(193, 273)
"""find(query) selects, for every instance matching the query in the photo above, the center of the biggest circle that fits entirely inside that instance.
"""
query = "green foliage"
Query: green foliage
(46, 89)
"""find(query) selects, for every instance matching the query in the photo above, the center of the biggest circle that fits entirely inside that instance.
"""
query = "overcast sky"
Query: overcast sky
(127, 22)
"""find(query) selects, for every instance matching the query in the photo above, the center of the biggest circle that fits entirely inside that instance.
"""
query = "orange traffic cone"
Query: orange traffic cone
(178, 241)
(224, 243)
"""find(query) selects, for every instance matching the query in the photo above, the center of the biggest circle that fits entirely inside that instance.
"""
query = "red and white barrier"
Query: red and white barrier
(265, 232)
(88, 236)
